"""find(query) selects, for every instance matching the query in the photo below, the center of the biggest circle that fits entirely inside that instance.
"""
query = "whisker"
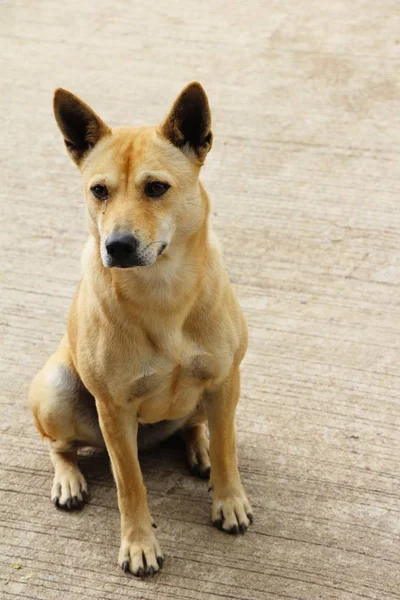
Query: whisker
(155, 242)
(190, 200)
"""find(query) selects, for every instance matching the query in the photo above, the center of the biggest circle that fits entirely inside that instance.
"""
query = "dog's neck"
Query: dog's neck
(172, 282)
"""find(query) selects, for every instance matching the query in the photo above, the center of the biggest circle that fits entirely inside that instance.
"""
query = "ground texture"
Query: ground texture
(305, 181)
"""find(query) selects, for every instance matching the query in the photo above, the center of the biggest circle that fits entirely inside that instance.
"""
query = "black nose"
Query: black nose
(122, 250)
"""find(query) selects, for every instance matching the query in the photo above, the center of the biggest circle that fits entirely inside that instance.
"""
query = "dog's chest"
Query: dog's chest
(171, 381)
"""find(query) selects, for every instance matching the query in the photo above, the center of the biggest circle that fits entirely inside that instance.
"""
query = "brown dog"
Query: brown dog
(155, 334)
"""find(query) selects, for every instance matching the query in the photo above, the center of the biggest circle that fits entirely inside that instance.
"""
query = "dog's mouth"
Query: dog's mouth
(162, 248)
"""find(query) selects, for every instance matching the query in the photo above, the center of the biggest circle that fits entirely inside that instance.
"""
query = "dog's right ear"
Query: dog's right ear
(78, 123)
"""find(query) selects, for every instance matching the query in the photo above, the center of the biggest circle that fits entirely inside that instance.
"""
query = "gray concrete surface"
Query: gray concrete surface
(305, 181)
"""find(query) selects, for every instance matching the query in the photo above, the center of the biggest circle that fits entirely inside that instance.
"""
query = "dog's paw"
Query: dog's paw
(232, 514)
(141, 555)
(69, 491)
(198, 456)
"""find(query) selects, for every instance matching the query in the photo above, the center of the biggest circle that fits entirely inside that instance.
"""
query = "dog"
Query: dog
(155, 335)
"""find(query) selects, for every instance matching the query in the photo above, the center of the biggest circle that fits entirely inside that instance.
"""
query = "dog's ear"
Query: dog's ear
(188, 124)
(78, 123)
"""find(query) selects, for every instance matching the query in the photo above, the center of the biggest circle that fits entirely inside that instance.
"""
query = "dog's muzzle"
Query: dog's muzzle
(122, 250)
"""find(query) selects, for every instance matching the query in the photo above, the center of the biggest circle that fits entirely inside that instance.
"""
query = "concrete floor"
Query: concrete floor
(305, 181)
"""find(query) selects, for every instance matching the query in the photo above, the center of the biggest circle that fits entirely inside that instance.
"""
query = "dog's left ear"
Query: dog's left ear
(188, 124)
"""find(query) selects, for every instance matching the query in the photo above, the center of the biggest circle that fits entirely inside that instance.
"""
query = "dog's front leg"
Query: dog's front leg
(140, 552)
(231, 510)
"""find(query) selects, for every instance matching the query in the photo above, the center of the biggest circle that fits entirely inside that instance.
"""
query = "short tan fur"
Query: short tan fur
(155, 335)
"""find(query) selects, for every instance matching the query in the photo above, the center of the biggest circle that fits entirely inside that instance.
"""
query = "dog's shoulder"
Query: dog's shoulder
(216, 320)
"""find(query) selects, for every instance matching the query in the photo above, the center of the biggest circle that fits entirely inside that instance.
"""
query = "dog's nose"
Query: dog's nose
(122, 249)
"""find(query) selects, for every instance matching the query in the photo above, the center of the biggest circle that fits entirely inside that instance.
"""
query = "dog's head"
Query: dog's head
(141, 183)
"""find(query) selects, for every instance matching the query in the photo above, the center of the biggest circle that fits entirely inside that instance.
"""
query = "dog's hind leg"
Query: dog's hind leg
(69, 490)
(194, 434)
(66, 415)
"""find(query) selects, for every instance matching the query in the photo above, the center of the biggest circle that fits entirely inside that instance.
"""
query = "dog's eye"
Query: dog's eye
(155, 189)
(100, 192)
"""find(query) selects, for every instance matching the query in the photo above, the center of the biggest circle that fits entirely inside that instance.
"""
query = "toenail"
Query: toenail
(125, 566)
